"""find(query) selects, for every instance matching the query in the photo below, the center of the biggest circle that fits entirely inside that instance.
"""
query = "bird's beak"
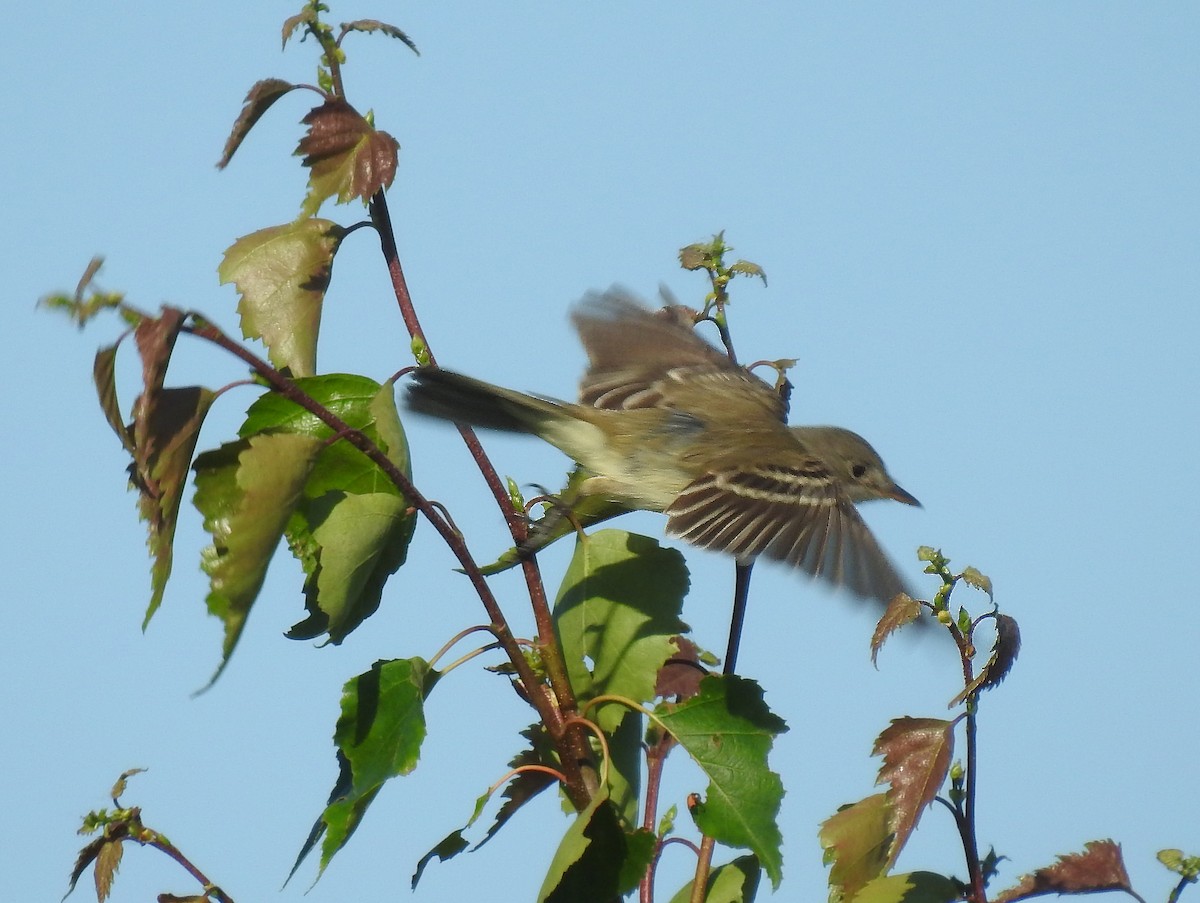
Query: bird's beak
(901, 496)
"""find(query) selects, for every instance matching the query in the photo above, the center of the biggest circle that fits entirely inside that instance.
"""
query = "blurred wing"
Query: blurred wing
(639, 358)
(793, 513)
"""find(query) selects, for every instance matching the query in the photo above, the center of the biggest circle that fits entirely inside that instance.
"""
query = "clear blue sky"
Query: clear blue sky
(980, 227)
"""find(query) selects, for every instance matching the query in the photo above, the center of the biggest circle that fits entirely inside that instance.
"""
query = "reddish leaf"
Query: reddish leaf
(916, 756)
(903, 609)
(1004, 653)
(307, 16)
(103, 373)
(369, 25)
(85, 858)
(258, 101)
(108, 859)
(856, 841)
(681, 674)
(1099, 867)
(346, 156)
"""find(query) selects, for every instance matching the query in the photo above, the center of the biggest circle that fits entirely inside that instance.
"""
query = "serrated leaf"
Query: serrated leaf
(307, 16)
(258, 100)
(1099, 867)
(746, 268)
(378, 737)
(912, 887)
(108, 860)
(618, 607)
(281, 274)
(733, 882)
(345, 155)
(370, 25)
(972, 577)
(681, 674)
(85, 858)
(1004, 654)
(728, 730)
(526, 784)
(902, 610)
(916, 757)
(246, 491)
(857, 840)
(596, 860)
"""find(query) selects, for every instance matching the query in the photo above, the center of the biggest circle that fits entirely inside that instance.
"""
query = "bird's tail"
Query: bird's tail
(461, 399)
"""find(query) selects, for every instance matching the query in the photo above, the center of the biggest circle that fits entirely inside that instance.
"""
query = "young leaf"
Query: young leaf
(972, 577)
(913, 887)
(1004, 654)
(246, 491)
(733, 882)
(857, 840)
(902, 610)
(727, 729)
(281, 273)
(618, 607)
(597, 861)
(916, 756)
(369, 25)
(104, 375)
(526, 784)
(258, 100)
(168, 437)
(378, 737)
(346, 156)
(108, 860)
(681, 674)
(1099, 867)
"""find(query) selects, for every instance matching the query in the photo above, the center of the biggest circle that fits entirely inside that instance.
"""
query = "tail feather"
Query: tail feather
(453, 396)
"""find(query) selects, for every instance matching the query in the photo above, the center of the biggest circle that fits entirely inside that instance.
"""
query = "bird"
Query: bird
(667, 422)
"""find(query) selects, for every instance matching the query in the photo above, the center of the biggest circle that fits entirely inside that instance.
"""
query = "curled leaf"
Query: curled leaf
(258, 100)
(902, 610)
(1099, 867)
(346, 156)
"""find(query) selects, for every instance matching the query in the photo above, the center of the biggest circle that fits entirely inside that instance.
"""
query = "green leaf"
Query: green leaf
(352, 530)
(596, 860)
(618, 608)
(258, 100)
(246, 491)
(728, 730)
(913, 887)
(282, 273)
(358, 542)
(378, 737)
(857, 841)
(346, 156)
(733, 882)
(525, 785)
(972, 577)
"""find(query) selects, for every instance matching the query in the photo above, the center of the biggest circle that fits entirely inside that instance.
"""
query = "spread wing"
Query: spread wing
(640, 358)
(793, 513)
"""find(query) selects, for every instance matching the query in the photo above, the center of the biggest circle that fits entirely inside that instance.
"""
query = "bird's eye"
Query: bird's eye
(858, 470)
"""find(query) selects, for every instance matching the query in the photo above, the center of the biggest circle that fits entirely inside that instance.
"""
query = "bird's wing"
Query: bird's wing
(794, 513)
(639, 358)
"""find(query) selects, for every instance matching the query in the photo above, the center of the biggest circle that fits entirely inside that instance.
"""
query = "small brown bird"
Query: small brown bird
(666, 422)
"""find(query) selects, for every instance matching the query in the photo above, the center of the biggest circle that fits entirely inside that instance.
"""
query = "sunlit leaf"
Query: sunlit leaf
(282, 273)
(246, 491)
(902, 610)
(913, 887)
(1099, 867)
(916, 757)
(378, 737)
(857, 840)
(733, 882)
(728, 730)
(972, 577)
(370, 25)
(346, 156)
